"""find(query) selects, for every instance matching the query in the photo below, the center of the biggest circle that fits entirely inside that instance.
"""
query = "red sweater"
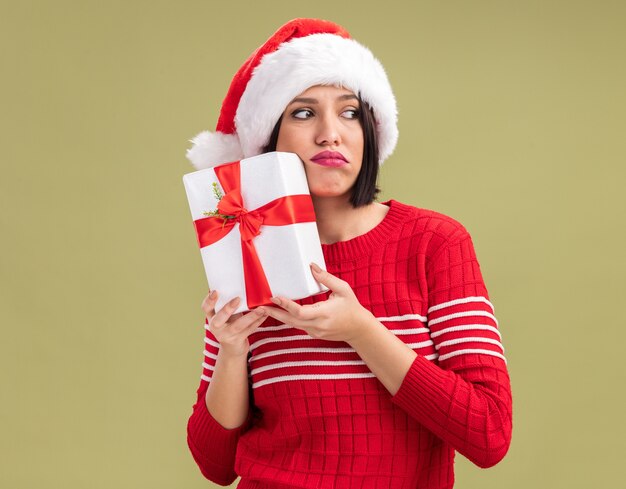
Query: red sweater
(321, 419)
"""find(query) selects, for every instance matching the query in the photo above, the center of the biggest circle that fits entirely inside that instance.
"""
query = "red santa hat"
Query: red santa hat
(301, 54)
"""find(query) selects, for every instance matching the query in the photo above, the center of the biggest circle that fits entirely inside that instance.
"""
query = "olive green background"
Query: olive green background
(512, 120)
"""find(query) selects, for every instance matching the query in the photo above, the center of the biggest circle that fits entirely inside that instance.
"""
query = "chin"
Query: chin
(327, 193)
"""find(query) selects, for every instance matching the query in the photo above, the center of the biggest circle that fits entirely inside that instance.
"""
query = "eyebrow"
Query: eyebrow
(305, 100)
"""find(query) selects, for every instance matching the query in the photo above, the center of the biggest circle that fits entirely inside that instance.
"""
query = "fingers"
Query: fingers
(220, 318)
(328, 279)
(307, 317)
(234, 317)
(248, 323)
(283, 316)
(293, 309)
(208, 304)
(240, 322)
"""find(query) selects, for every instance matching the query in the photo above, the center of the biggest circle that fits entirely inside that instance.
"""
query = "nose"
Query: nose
(328, 133)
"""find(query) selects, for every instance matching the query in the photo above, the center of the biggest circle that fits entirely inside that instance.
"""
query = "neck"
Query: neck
(336, 219)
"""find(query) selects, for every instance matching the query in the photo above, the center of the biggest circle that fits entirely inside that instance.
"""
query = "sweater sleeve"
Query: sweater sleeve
(212, 446)
(464, 397)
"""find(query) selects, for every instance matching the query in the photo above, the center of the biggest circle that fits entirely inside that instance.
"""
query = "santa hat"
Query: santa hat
(301, 54)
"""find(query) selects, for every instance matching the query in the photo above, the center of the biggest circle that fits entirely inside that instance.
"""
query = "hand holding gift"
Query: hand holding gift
(341, 317)
(231, 330)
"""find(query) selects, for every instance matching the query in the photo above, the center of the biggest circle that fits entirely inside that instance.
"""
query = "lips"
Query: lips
(329, 158)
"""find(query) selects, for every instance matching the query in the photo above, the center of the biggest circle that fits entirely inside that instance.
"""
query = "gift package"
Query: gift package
(256, 229)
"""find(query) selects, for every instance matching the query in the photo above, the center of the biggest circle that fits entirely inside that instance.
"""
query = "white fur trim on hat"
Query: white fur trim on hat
(317, 59)
(213, 148)
(282, 75)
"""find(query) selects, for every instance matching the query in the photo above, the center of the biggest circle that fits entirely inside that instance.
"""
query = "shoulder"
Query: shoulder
(435, 226)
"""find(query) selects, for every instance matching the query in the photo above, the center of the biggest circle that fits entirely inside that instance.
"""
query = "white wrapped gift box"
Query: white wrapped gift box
(284, 251)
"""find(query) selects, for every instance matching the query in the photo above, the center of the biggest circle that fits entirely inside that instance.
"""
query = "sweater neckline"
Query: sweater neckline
(364, 244)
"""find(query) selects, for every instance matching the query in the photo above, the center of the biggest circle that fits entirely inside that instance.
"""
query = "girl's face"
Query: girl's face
(321, 126)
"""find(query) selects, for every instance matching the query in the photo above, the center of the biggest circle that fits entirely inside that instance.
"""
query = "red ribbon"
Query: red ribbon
(283, 211)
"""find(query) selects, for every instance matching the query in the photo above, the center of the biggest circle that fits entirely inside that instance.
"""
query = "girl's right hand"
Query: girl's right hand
(232, 331)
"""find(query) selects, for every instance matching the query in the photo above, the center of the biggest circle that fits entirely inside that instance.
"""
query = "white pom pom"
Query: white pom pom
(210, 149)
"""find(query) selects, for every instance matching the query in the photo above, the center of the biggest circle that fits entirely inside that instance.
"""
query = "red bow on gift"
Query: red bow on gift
(283, 211)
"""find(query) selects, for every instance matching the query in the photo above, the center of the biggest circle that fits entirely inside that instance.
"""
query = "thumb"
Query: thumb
(328, 279)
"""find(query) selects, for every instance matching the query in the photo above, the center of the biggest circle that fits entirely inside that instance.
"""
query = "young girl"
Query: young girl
(375, 383)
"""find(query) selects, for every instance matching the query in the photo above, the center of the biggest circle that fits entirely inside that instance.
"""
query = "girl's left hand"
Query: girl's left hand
(340, 318)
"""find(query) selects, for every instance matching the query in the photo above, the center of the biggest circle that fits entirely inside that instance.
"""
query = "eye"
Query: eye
(351, 113)
(302, 113)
